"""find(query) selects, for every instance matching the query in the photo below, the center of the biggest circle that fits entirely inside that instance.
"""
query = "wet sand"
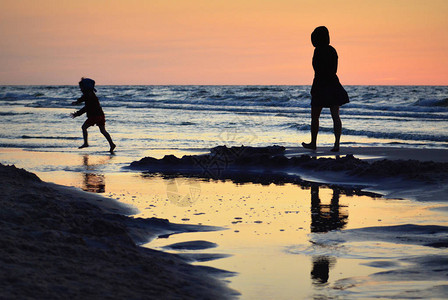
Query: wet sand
(377, 153)
(62, 243)
(289, 239)
(418, 174)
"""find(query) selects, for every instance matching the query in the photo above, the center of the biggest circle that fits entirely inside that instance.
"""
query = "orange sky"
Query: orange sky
(220, 42)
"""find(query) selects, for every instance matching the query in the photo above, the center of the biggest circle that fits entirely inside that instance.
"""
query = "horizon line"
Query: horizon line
(171, 84)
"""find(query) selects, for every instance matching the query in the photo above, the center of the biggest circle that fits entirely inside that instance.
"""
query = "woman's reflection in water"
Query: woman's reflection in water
(324, 218)
(93, 182)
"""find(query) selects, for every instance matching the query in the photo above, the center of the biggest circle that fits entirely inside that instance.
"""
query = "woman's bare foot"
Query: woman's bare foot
(112, 147)
(335, 149)
(83, 146)
(309, 146)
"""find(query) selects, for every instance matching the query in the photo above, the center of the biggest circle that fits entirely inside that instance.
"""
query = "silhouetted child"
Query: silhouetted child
(326, 90)
(95, 114)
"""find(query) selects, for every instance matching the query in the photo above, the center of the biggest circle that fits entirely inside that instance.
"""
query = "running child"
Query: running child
(95, 114)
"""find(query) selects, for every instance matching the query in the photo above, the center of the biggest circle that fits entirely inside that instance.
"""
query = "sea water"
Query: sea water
(272, 239)
(201, 117)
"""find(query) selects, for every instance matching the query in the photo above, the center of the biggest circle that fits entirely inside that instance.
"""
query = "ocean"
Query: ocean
(310, 240)
(200, 117)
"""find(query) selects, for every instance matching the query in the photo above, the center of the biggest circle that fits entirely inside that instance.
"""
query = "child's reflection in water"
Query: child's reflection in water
(93, 182)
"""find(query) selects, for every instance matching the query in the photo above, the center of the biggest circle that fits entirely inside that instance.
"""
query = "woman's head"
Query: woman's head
(320, 37)
(87, 85)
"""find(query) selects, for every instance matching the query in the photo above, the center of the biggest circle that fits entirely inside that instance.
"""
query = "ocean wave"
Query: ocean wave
(409, 115)
(13, 113)
(32, 146)
(369, 100)
(397, 107)
(218, 109)
(186, 123)
(219, 102)
(394, 135)
(281, 110)
(51, 137)
(376, 134)
(280, 105)
(401, 114)
(432, 102)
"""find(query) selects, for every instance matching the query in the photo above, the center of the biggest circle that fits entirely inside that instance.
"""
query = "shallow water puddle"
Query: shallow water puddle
(283, 241)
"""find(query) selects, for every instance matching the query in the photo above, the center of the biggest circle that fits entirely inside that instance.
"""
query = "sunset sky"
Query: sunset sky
(220, 42)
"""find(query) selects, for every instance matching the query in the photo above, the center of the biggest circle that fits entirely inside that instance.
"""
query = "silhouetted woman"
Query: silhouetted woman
(326, 90)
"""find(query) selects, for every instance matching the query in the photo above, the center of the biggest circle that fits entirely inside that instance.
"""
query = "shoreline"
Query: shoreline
(59, 243)
(373, 153)
(72, 254)
(391, 187)
(418, 174)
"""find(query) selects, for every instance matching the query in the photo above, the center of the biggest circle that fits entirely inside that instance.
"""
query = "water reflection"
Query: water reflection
(94, 183)
(324, 218)
(278, 201)
(92, 180)
(321, 269)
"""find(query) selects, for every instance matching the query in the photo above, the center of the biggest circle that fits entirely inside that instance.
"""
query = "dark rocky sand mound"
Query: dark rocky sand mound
(223, 161)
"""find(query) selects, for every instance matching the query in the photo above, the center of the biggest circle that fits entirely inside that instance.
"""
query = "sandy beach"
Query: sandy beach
(63, 242)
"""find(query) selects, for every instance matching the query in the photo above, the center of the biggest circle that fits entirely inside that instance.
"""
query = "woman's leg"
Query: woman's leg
(337, 127)
(107, 136)
(315, 114)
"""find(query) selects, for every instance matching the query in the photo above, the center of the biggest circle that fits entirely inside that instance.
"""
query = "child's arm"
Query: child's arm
(78, 113)
(80, 100)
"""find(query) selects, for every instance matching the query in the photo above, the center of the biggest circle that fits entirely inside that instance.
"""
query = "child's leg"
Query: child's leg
(84, 134)
(107, 136)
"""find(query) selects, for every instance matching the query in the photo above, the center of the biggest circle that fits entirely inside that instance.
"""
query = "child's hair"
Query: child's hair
(87, 84)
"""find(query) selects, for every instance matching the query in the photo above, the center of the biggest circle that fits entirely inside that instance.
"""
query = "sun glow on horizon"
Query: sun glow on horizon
(215, 42)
